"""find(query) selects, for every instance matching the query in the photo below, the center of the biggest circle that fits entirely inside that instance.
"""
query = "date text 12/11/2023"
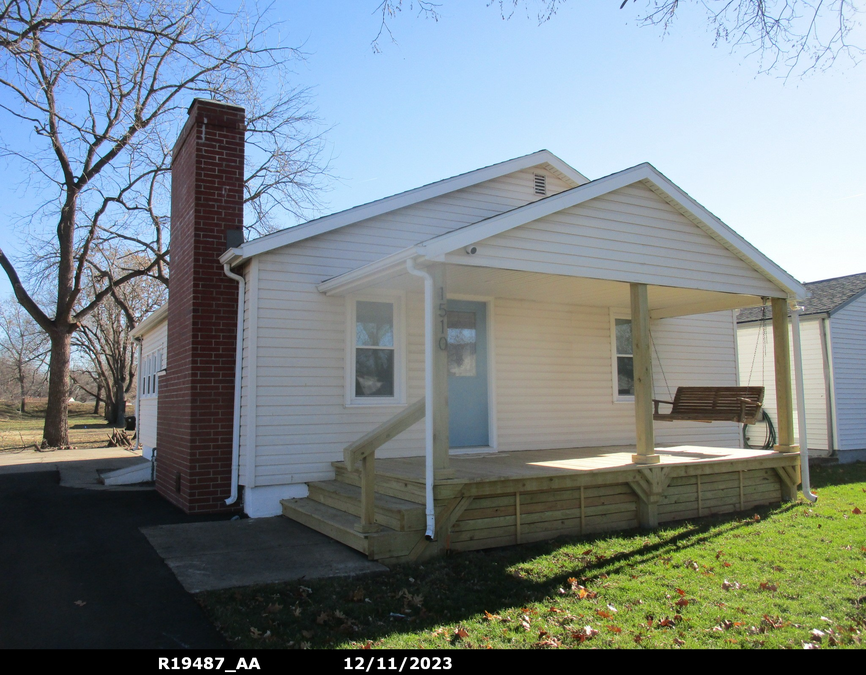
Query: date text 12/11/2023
(409, 663)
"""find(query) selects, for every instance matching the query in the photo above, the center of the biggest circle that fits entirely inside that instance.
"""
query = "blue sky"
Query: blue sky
(780, 161)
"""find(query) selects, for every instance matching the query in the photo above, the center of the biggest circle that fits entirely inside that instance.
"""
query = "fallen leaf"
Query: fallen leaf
(307, 634)
(767, 586)
(614, 629)
(461, 633)
(491, 617)
(80, 603)
(756, 518)
(682, 602)
(273, 608)
(856, 511)
(681, 591)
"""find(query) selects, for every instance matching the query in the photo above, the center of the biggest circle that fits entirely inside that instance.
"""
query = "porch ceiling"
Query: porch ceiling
(664, 301)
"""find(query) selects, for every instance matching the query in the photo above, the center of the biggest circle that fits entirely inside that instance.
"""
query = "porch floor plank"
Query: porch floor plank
(511, 465)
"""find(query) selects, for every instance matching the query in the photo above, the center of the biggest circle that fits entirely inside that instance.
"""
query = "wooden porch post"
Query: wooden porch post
(440, 372)
(643, 376)
(784, 398)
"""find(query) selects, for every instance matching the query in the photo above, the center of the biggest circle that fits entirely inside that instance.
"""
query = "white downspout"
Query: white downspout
(239, 361)
(138, 397)
(801, 405)
(428, 395)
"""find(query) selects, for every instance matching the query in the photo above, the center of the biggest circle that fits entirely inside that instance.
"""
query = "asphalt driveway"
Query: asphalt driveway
(76, 572)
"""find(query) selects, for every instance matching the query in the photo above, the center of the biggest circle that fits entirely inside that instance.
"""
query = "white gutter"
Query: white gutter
(138, 397)
(830, 385)
(428, 395)
(801, 405)
(239, 359)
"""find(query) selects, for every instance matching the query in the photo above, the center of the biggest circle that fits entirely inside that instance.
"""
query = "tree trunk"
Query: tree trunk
(56, 431)
(98, 395)
(23, 397)
(119, 405)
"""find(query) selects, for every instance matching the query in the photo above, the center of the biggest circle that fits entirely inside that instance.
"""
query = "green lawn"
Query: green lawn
(786, 577)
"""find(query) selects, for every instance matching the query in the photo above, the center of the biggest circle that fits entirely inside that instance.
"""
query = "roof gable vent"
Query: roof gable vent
(540, 184)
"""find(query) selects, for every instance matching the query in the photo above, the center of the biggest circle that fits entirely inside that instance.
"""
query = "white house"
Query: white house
(150, 336)
(833, 333)
(494, 339)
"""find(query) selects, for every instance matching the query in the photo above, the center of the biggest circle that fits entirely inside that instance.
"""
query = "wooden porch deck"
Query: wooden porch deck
(497, 499)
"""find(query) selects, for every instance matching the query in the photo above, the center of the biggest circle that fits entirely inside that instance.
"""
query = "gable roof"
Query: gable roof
(828, 297)
(401, 200)
(649, 176)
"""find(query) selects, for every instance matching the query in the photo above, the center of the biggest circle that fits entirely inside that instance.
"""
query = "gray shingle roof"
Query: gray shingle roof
(827, 296)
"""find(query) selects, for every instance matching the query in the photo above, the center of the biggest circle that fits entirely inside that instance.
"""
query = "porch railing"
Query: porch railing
(362, 454)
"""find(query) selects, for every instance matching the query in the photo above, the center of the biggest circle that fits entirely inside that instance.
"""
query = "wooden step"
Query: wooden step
(397, 514)
(385, 485)
(339, 525)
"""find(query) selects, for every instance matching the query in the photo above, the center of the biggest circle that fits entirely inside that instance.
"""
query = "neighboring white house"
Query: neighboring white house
(150, 335)
(833, 334)
(539, 262)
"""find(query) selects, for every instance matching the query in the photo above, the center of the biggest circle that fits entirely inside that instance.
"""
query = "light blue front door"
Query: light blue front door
(467, 374)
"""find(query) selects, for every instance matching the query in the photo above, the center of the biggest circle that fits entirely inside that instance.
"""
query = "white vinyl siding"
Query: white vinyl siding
(848, 336)
(151, 343)
(630, 235)
(558, 394)
(757, 368)
(302, 423)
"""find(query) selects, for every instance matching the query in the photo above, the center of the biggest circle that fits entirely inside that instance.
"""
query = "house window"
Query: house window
(623, 359)
(151, 365)
(375, 357)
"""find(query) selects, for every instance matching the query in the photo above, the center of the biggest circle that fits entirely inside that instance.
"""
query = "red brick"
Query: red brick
(207, 201)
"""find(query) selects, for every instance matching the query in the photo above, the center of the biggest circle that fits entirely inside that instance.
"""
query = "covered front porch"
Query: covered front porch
(633, 250)
(407, 508)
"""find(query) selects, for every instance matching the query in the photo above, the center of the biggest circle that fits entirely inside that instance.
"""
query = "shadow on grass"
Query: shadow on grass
(458, 587)
(840, 474)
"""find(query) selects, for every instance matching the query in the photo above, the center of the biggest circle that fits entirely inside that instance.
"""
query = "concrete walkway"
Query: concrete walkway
(89, 566)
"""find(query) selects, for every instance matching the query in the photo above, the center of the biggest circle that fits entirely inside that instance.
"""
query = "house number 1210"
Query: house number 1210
(443, 315)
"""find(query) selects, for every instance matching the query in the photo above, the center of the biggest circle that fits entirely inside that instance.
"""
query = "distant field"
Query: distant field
(24, 431)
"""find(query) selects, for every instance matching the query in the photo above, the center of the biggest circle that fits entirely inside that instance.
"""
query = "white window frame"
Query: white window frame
(152, 364)
(398, 300)
(614, 369)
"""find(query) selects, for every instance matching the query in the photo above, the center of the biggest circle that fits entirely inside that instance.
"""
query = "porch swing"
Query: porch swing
(712, 404)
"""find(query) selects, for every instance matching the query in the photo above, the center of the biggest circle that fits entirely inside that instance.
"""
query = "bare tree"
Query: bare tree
(24, 348)
(107, 354)
(94, 93)
(790, 35)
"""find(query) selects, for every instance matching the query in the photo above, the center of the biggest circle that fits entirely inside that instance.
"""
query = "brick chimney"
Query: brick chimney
(196, 393)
